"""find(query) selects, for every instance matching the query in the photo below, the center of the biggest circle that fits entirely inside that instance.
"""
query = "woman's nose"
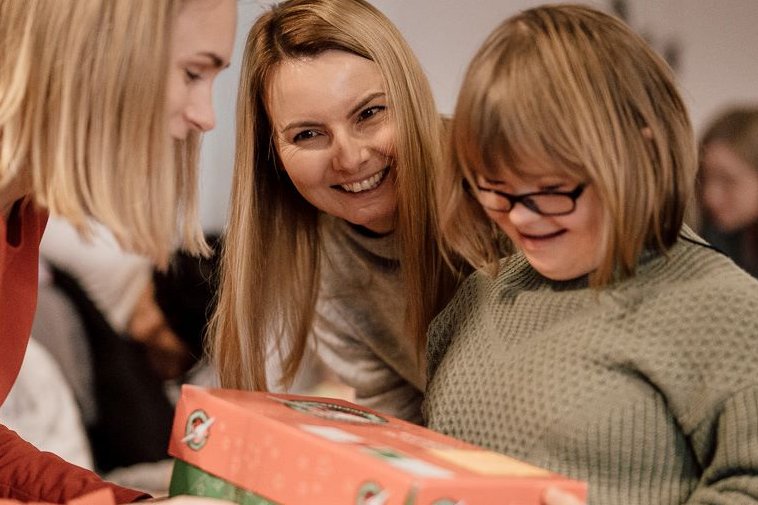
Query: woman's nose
(351, 152)
(200, 111)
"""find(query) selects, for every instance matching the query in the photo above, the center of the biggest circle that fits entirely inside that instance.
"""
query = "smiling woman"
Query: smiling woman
(332, 240)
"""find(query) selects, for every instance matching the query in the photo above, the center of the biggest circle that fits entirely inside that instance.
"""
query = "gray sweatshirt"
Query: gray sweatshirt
(359, 328)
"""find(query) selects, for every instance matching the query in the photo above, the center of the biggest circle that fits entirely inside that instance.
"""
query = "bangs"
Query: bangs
(570, 90)
(510, 115)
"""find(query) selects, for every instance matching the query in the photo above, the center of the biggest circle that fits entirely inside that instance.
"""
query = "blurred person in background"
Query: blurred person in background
(127, 335)
(729, 185)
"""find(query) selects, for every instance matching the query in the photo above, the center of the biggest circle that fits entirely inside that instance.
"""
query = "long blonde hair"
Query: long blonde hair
(83, 118)
(573, 88)
(271, 260)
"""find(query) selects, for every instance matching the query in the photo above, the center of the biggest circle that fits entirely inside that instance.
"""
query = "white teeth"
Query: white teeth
(366, 184)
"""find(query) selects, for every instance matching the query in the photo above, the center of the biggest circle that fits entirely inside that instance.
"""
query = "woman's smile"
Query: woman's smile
(363, 185)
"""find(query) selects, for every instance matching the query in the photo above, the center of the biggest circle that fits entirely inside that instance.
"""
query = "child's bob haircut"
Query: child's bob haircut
(571, 88)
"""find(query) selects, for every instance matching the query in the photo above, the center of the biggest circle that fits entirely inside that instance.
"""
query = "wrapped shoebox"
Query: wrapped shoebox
(271, 449)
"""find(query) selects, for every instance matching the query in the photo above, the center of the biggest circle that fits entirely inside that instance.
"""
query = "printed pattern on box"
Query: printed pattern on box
(257, 448)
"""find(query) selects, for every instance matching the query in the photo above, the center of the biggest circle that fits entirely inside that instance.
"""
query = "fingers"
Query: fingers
(554, 496)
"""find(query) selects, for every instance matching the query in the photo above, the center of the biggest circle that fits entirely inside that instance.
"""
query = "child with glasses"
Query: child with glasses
(610, 344)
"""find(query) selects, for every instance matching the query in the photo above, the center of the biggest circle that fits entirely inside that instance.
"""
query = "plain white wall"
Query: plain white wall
(717, 41)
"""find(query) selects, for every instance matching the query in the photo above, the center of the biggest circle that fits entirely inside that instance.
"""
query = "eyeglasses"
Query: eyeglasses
(544, 203)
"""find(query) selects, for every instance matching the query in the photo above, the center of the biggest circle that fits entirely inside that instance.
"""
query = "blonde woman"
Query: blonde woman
(613, 345)
(332, 233)
(101, 104)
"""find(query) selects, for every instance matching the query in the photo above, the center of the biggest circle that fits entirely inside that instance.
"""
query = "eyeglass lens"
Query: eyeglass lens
(547, 203)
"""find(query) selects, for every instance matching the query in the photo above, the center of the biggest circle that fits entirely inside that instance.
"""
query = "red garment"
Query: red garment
(19, 251)
(102, 496)
(27, 474)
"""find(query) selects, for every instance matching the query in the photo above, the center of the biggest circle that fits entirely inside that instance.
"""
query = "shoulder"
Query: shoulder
(698, 296)
(710, 281)
(480, 289)
(478, 293)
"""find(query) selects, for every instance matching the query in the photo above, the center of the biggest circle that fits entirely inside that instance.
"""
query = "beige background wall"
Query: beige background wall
(717, 40)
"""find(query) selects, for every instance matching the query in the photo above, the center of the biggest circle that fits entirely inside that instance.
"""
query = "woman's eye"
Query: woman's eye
(305, 135)
(370, 112)
(191, 76)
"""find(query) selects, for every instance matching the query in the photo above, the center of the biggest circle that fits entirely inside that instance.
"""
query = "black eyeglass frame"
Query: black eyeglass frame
(526, 199)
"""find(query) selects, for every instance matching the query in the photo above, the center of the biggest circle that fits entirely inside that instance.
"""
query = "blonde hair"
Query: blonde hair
(83, 119)
(270, 272)
(569, 87)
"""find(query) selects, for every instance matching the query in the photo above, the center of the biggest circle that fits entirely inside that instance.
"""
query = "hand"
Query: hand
(554, 496)
(192, 500)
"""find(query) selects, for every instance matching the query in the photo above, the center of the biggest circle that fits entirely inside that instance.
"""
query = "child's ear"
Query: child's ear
(647, 132)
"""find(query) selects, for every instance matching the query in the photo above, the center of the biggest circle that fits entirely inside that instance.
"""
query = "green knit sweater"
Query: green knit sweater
(647, 389)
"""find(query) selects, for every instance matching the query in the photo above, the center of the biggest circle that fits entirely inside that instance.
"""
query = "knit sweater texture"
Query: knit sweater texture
(359, 329)
(647, 389)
